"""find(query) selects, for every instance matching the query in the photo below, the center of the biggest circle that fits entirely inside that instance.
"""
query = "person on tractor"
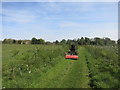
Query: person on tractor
(72, 50)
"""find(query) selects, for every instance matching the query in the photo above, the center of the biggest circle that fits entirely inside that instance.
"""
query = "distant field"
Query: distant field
(44, 66)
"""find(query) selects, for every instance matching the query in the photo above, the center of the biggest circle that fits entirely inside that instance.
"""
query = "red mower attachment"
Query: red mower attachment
(71, 56)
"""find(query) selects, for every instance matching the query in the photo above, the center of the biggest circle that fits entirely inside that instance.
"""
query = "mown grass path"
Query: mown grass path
(67, 74)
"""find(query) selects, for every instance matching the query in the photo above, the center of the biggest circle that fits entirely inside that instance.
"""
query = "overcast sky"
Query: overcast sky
(61, 20)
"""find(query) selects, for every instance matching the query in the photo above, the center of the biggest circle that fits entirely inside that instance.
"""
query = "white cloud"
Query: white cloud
(18, 16)
(58, 27)
(67, 30)
(74, 29)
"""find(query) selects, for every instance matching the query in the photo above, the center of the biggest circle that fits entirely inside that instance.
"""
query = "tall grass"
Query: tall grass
(22, 64)
(103, 66)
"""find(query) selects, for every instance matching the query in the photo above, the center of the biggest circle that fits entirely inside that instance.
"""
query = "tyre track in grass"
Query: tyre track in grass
(54, 76)
(77, 77)
(67, 74)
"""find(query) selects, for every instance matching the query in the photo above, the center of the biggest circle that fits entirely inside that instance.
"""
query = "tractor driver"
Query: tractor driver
(73, 50)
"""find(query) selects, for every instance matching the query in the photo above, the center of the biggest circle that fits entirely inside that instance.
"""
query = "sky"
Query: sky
(59, 20)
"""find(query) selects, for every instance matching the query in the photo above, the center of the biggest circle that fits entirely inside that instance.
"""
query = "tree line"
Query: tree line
(79, 41)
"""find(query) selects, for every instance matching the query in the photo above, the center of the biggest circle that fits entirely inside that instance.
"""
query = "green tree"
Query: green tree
(87, 41)
(63, 41)
(14, 41)
(118, 41)
(68, 41)
(34, 41)
(19, 41)
(82, 41)
(56, 42)
(40, 41)
(78, 41)
(97, 41)
(107, 41)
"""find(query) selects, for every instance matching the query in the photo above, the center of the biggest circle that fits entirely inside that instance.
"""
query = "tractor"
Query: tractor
(72, 53)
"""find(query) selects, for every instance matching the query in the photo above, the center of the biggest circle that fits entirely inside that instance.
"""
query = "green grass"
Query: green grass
(44, 66)
(67, 74)
(103, 67)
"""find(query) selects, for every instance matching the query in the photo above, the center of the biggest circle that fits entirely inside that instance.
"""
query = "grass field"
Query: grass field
(44, 66)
